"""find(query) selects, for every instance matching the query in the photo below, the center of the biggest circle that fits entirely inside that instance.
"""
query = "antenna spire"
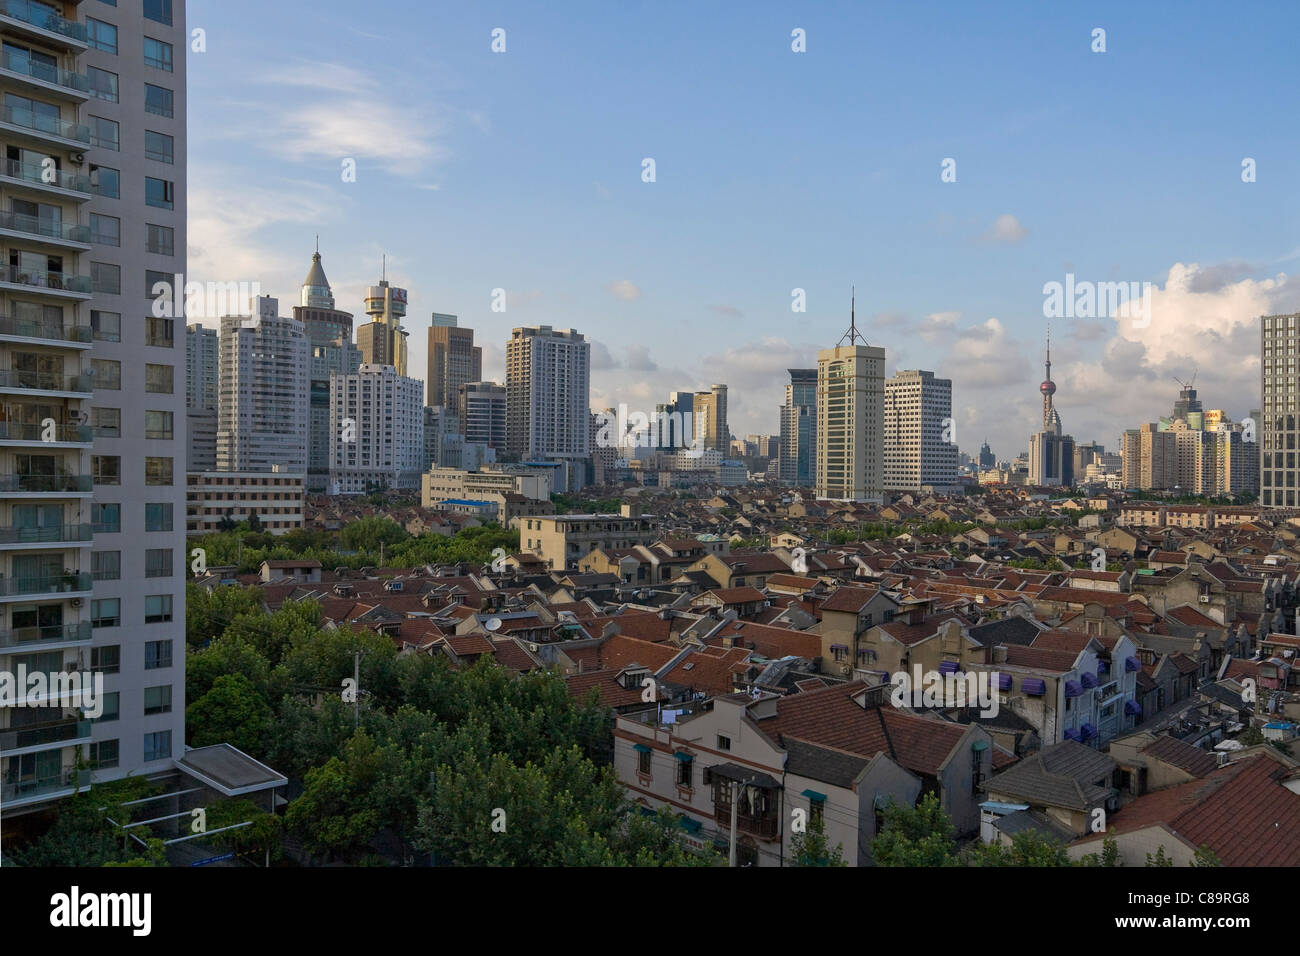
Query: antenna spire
(853, 335)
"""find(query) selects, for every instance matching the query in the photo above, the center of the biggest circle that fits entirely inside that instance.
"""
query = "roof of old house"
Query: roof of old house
(1180, 754)
(1061, 775)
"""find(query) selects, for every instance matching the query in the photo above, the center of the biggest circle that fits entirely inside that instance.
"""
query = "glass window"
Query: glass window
(158, 100)
(106, 518)
(160, 11)
(158, 516)
(108, 328)
(106, 565)
(104, 133)
(157, 54)
(105, 230)
(106, 469)
(111, 709)
(158, 146)
(105, 181)
(159, 332)
(152, 280)
(107, 659)
(157, 654)
(106, 278)
(103, 36)
(106, 422)
(160, 239)
(157, 608)
(103, 84)
(108, 373)
(106, 612)
(158, 378)
(158, 700)
(158, 192)
(158, 563)
(157, 424)
(157, 471)
(103, 754)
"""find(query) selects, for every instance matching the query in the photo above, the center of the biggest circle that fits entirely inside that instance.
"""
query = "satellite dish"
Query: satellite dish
(493, 624)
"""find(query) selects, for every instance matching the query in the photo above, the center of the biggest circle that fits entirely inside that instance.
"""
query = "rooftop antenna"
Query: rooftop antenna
(383, 268)
(318, 243)
(853, 335)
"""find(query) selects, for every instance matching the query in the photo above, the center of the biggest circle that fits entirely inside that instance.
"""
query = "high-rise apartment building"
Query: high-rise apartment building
(453, 358)
(265, 369)
(92, 387)
(710, 421)
(797, 451)
(382, 341)
(1279, 422)
(919, 450)
(548, 394)
(1157, 458)
(481, 407)
(675, 422)
(201, 367)
(377, 430)
(850, 416)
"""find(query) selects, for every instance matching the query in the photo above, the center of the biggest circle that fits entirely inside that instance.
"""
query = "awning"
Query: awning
(815, 796)
(1033, 685)
(1132, 708)
(1132, 664)
(747, 776)
(980, 746)
(1103, 667)
(1004, 682)
(1072, 734)
(1089, 731)
(683, 756)
(1089, 680)
(949, 667)
(641, 748)
(689, 825)
(1072, 688)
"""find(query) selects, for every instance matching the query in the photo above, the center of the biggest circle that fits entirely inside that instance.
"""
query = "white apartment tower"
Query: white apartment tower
(1279, 427)
(548, 392)
(202, 364)
(265, 364)
(850, 414)
(919, 450)
(92, 388)
(377, 429)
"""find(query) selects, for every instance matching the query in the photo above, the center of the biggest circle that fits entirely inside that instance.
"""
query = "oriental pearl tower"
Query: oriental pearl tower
(1051, 420)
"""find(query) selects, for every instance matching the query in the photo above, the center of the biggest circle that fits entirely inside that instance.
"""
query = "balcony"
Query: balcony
(764, 825)
(47, 333)
(56, 284)
(20, 640)
(61, 733)
(17, 66)
(78, 583)
(33, 177)
(44, 129)
(21, 433)
(58, 535)
(16, 790)
(46, 484)
(44, 232)
(36, 22)
(72, 386)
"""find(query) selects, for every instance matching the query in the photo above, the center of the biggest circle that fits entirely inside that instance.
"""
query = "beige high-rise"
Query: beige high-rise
(850, 422)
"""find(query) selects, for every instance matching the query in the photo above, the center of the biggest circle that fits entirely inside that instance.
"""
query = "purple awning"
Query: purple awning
(1004, 682)
(1103, 667)
(1072, 688)
(948, 667)
(1089, 680)
(1132, 664)
(1033, 685)
(1088, 731)
(1072, 734)
(1132, 708)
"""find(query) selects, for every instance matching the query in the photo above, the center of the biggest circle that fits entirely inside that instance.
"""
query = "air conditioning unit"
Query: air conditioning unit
(76, 602)
(846, 669)
(1204, 599)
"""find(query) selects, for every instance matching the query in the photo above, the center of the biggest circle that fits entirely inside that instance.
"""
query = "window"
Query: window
(157, 424)
(158, 516)
(816, 812)
(108, 328)
(158, 700)
(103, 754)
(160, 11)
(158, 285)
(103, 36)
(157, 608)
(106, 565)
(158, 100)
(104, 132)
(160, 239)
(107, 659)
(105, 181)
(157, 471)
(158, 745)
(643, 762)
(685, 771)
(158, 378)
(103, 84)
(106, 278)
(158, 146)
(107, 372)
(157, 654)
(106, 422)
(157, 54)
(158, 563)
(106, 612)
(158, 192)
(159, 332)
(105, 230)
(106, 518)
(724, 742)
(106, 469)
(112, 709)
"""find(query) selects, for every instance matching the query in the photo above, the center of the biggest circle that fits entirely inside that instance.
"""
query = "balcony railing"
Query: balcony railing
(44, 123)
(21, 431)
(38, 15)
(761, 826)
(44, 381)
(19, 62)
(35, 226)
(47, 483)
(47, 280)
(47, 176)
(15, 787)
(45, 584)
(41, 329)
(70, 533)
(34, 637)
(53, 732)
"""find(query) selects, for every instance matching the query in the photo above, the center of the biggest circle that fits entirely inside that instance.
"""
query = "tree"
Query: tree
(1159, 859)
(367, 534)
(1027, 849)
(811, 848)
(232, 712)
(82, 834)
(915, 836)
(1204, 856)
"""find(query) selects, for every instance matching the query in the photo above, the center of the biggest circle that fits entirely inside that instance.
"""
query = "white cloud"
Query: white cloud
(624, 289)
(1006, 228)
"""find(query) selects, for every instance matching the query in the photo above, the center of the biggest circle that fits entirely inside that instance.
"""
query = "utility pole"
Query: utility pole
(356, 689)
(731, 851)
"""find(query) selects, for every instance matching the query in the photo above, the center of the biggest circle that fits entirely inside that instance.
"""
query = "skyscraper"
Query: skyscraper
(1051, 454)
(548, 394)
(797, 451)
(481, 408)
(382, 341)
(201, 364)
(265, 364)
(1279, 424)
(376, 430)
(919, 451)
(850, 412)
(710, 421)
(453, 358)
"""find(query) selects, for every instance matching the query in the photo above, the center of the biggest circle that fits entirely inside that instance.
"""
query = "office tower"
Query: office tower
(1157, 458)
(675, 422)
(92, 389)
(1237, 462)
(798, 444)
(987, 458)
(548, 393)
(1131, 455)
(604, 458)
(1188, 406)
(265, 369)
(383, 340)
(201, 364)
(1051, 454)
(454, 359)
(850, 413)
(481, 407)
(710, 421)
(919, 450)
(329, 336)
(1085, 454)
(1279, 421)
(377, 430)
(440, 426)
(1195, 458)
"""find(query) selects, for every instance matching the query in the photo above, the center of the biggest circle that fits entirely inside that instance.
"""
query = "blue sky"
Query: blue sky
(775, 170)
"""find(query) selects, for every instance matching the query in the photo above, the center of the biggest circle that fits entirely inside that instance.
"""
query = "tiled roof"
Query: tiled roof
(1061, 775)
(1180, 754)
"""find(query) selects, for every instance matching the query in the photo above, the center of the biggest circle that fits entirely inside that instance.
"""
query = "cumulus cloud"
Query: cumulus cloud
(624, 289)
(1006, 228)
